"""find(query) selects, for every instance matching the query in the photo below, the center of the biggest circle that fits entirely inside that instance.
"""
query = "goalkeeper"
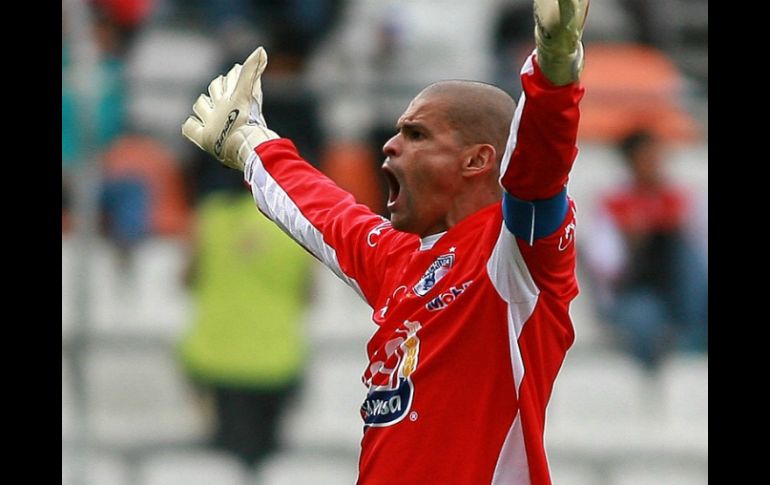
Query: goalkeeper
(471, 278)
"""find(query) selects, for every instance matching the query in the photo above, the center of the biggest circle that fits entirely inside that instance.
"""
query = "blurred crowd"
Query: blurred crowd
(339, 74)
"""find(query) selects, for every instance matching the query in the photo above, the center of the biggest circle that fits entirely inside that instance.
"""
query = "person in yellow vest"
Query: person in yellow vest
(249, 282)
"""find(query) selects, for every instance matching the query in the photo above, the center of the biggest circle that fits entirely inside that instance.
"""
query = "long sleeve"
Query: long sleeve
(542, 143)
(539, 155)
(326, 220)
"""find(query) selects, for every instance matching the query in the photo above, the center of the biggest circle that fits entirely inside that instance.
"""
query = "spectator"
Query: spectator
(512, 43)
(245, 347)
(652, 281)
(654, 22)
(110, 104)
(142, 193)
(126, 18)
(240, 23)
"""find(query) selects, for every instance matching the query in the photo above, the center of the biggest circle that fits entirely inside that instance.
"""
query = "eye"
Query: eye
(412, 134)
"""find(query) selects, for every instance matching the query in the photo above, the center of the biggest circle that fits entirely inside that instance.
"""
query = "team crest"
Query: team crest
(437, 270)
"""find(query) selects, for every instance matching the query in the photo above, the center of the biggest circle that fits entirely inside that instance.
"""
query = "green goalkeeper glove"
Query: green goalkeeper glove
(228, 123)
(558, 30)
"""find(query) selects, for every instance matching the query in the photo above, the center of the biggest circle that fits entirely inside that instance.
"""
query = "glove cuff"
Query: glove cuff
(558, 67)
(242, 142)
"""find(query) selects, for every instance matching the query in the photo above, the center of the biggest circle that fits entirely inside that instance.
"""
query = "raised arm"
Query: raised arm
(542, 146)
(228, 123)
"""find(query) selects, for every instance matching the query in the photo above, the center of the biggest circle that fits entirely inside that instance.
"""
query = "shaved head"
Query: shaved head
(479, 112)
(443, 163)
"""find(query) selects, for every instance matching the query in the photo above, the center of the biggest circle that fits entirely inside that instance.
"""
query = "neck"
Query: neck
(470, 202)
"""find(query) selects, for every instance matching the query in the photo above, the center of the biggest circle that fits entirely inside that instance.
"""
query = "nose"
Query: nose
(392, 147)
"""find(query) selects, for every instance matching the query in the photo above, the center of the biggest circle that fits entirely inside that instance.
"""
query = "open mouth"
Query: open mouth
(394, 187)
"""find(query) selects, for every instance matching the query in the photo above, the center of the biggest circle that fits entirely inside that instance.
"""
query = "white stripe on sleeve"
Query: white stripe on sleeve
(276, 204)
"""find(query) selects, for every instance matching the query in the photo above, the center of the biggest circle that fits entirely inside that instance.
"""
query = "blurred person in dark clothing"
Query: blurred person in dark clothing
(126, 17)
(652, 283)
(241, 23)
(653, 20)
(511, 44)
(142, 194)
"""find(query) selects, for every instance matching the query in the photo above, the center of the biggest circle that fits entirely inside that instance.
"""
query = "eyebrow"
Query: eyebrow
(411, 125)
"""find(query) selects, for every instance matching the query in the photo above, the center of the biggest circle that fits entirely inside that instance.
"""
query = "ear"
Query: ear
(479, 160)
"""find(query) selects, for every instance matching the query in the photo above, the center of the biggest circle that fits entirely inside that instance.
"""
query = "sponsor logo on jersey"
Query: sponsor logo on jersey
(444, 299)
(437, 270)
(391, 390)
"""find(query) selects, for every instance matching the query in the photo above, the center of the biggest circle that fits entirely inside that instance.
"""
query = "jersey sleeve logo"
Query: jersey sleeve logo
(388, 378)
(374, 235)
(437, 270)
(569, 234)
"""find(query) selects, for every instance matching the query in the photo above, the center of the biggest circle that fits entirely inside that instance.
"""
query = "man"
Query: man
(651, 281)
(246, 363)
(470, 296)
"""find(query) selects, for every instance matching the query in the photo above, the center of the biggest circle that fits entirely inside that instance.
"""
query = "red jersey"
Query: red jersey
(473, 323)
(644, 210)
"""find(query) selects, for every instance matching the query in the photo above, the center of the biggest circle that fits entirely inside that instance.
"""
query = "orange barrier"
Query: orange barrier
(353, 166)
(629, 86)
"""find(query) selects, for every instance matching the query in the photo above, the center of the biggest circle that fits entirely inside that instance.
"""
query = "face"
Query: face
(646, 164)
(423, 168)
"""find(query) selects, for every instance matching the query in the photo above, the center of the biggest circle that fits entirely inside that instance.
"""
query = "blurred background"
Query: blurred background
(198, 348)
